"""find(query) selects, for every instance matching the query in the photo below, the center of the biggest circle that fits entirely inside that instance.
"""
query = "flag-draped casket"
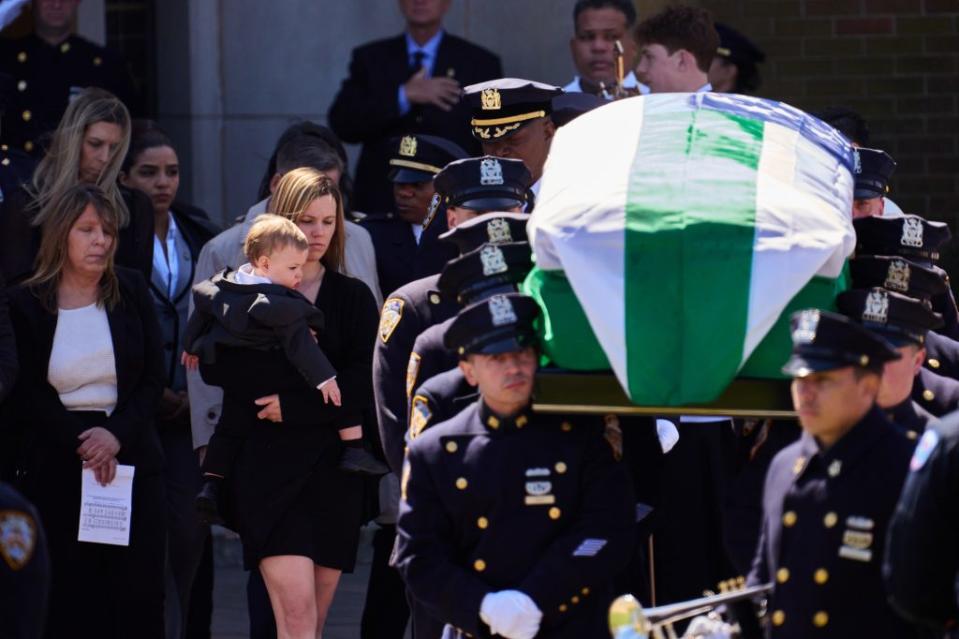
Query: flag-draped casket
(674, 234)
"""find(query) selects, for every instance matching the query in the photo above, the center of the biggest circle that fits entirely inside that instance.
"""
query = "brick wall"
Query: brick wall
(895, 61)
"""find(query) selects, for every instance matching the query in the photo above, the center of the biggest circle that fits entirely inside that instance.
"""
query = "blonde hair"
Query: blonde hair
(55, 233)
(271, 233)
(295, 192)
(59, 168)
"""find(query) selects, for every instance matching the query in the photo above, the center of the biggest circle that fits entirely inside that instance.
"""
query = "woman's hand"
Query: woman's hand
(106, 472)
(98, 447)
(271, 408)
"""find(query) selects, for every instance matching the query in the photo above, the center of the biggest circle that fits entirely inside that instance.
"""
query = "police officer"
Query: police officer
(491, 269)
(511, 119)
(414, 308)
(871, 173)
(922, 557)
(829, 496)
(50, 67)
(512, 523)
(904, 322)
(16, 167)
(24, 568)
(734, 68)
(398, 236)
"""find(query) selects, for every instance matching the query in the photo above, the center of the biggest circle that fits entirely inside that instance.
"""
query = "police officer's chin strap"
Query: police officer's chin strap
(511, 614)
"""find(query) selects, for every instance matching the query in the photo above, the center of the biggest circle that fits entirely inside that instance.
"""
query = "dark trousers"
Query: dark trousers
(385, 611)
(201, 598)
(101, 591)
(186, 536)
(224, 447)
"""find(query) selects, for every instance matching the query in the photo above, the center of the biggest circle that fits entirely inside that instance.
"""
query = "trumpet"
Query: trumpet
(628, 619)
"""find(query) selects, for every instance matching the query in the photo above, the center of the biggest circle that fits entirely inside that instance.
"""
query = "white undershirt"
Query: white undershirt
(82, 366)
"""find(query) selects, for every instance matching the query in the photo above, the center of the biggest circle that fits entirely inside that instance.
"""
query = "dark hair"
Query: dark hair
(623, 6)
(316, 131)
(847, 122)
(146, 134)
(682, 27)
(307, 151)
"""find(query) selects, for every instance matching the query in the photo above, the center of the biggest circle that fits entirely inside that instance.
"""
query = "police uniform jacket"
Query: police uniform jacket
(434, 357)
(47, 77)
(24, 568)
(366, 109)
(912, 418)
(407, 312)
(942, 355)
(824, 530)
(937, 394)
(399, 259)
(922, 556)
(535, 503)
(8, 346)
(438, 399)
(20, 240)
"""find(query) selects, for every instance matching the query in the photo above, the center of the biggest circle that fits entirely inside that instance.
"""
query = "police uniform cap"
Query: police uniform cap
(897, 274)
(500, 107)
(498, 324)
(484, 183)
(569, 106)
(736, 47)
(418, 158)
(899, 319)
(908, 236)
(873, 169)
(494, 228)
(825, 341)
(488, 269)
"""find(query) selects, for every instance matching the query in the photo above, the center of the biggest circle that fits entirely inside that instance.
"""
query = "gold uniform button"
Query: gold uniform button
(820, 619)
(27, 115)
(97, 61)
(821, 576)
(482, 523)
(554, 513)
(521, 421)
(566, 427)
(479, 565)
(933, 362)
(434, 298)
(22, 57)
(830, 520)
(778, 618)
(585, 592)
(563, 607)
(574, 599)
(65, 47)
(928, 395)
(5, 161)
(782, 575)
(560, 467)
(22, 85)
(451, 447)
(461, 483)
(789, 519)
(28, 146)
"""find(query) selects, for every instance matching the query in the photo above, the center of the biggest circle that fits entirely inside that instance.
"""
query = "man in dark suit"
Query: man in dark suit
(407, 84)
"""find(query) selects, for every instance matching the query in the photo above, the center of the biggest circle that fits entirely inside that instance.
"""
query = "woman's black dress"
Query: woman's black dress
(288, 494)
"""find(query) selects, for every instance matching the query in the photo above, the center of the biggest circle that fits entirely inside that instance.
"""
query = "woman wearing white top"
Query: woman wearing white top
(90, 380)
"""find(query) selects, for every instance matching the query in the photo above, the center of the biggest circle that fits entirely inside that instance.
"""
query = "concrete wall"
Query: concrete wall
(234, 73)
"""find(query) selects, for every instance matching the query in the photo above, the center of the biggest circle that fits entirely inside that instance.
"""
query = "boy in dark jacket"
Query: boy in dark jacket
(257, 307)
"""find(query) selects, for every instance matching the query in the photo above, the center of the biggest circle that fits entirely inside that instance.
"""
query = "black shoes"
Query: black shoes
(360, 460)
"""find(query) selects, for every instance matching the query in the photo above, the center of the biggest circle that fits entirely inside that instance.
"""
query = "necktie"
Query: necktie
(418, 57)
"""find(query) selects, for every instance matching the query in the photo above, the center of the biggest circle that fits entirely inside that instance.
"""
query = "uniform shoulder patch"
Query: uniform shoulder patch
(18, 538)
(390, 317)
(420, 415)
(412, 370)
(924, 449)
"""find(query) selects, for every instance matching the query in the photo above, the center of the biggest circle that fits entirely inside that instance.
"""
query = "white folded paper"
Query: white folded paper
(106, 511)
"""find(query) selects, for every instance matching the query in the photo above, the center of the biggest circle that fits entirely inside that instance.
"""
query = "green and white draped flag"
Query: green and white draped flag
(686, 224)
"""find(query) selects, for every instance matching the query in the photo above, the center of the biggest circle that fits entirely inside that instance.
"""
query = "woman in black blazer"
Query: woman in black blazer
(297, 513)
(86, 398)
(88, 147)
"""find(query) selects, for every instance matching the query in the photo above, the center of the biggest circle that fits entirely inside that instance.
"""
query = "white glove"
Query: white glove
(511, 614)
